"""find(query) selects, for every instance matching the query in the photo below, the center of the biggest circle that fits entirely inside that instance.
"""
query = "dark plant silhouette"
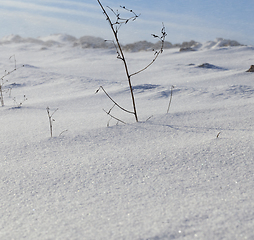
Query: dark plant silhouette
(19, 104)
(170, 99)
(115, 26)
(51, 120)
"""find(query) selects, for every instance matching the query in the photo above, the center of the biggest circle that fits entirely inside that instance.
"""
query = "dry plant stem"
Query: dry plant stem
(1, 96)
(149, 118)
(171, 95)
(109, 111)
(114, 117)
(115, 101)
(157, 53)
(5, 75)
(19, 104)
(122, 57)
(15, 68)
(63, 132)
(51, 120)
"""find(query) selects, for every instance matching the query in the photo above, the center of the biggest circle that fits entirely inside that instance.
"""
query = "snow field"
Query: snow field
(169, 177)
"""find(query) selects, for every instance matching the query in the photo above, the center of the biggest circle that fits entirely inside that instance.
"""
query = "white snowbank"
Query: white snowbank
(220, 42)
(184, 175)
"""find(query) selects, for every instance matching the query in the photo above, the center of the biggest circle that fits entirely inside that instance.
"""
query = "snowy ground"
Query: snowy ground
(169, 177)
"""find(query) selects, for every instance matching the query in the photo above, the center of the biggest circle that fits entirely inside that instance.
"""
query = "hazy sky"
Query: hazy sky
(185, 20)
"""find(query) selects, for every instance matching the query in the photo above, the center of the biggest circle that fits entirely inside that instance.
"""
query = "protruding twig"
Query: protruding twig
(171, 95)
(113, 100)
(13, 56)
(157, 53)
(118, 53)
(20, 104)
(119, 20)
(51, 120)
(121, 56)
(15, 68)
(108, 122)
(2, 81)
(149, 118)
(114, 117)
(63, 132)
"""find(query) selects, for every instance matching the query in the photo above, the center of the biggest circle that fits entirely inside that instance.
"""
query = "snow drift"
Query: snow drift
(188, 174)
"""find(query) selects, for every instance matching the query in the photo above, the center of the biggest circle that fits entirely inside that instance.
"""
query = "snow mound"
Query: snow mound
(209, 66)
(188, 174)
(139, 46)
(97, 42)
(11, 39)
(92, 42)
(61, 38)
(14, 39)
(220, 42)
(251, 69)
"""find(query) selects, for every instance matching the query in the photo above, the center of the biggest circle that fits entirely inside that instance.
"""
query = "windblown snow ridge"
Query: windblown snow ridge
(96, 42)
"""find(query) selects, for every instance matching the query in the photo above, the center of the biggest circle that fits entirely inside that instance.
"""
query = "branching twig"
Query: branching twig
(119, 20)
(15, 68)
(157, 53)
(118, 54)
(2, 81)
(114, 116)
(122, 57)
(113, 100)
(20, 104)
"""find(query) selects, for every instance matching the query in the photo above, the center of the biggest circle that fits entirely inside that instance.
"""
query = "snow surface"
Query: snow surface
(188, 174)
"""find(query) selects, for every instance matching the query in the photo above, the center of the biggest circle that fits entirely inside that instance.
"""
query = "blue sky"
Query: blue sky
(185, 20)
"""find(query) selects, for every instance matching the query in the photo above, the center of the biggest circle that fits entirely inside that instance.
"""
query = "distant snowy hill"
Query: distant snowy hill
(96, 42)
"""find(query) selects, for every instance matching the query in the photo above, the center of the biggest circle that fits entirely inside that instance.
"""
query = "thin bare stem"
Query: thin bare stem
(51, 120)
(156, 56)
(157, 53)
(63, 132)
(118, 54)
(114, 100)
(119, 20)
(171, 95)
(2, 81)
(149, 118)
(115, 28)
(20, 103)
(8, 73)
(1, 96)
(122, 58)
(13, 56)
(113, 116)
